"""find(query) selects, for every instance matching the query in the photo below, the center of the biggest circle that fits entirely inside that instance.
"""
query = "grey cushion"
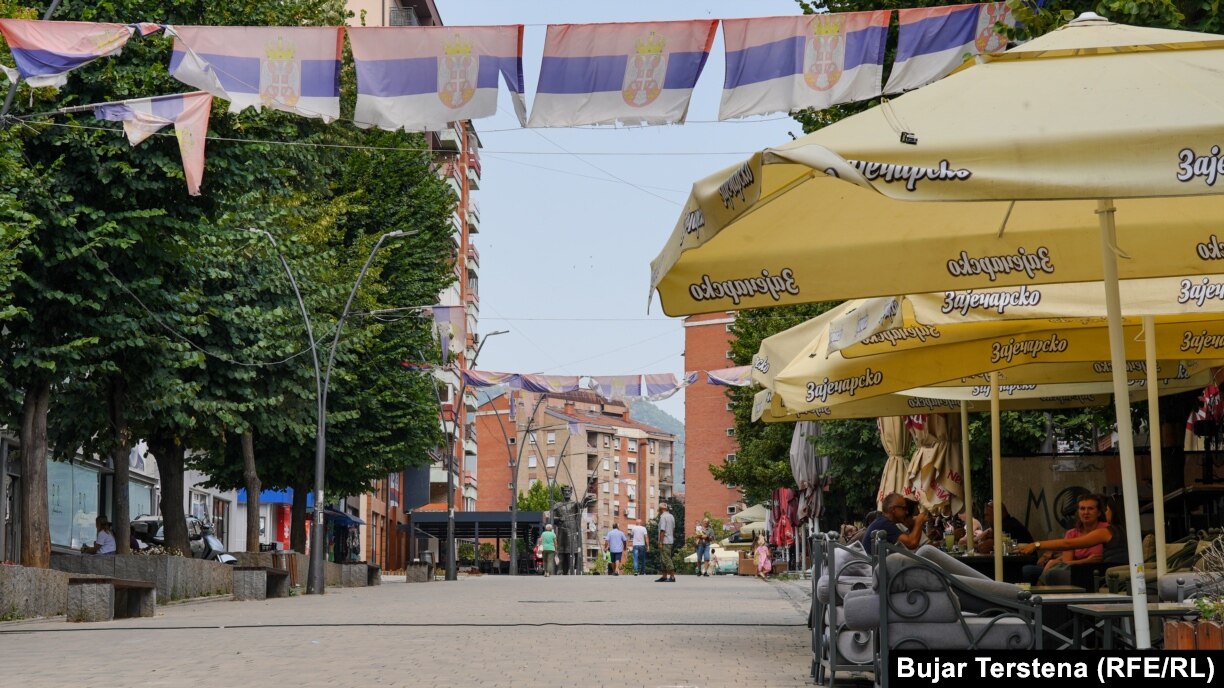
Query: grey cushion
(1194, 583)
(856, 647)
(990, 634)
(949, 563)
(985, 586)
(844, 585)
(851, 560)
(862, 608)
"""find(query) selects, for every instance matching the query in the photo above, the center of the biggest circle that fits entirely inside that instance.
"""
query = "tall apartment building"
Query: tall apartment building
(581, 440)
(709, 425)
(456, 150)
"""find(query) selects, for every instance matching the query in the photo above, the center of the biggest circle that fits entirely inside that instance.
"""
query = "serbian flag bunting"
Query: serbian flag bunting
(618, 387)
(420, 78)
(295, 69)
(782, 64)
(188, 112)
(739, 376)
(633, 72)
(933, 41)
(45, 51)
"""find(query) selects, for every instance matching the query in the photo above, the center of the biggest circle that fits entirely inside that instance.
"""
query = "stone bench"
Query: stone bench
(105, 599)
(373, 574)
(354, 574)
(260, 583)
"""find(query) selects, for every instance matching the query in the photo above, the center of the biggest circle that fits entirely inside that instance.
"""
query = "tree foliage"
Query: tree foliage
(140, 311)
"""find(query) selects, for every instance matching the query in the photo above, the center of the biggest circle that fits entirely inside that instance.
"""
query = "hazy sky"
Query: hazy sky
(571, 218)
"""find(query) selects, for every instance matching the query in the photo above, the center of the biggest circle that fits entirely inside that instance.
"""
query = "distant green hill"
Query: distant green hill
(650, 414)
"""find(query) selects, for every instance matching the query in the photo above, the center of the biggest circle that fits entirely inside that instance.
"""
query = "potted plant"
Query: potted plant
(1206, 632)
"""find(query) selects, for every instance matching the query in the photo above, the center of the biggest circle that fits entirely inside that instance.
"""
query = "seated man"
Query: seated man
(1011, 526)
(895, 514)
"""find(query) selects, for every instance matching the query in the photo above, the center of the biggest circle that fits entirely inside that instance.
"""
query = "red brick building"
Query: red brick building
(581, 440)
(709, 425)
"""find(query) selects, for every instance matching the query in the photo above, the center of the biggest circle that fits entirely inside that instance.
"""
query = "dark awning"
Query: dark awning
(469, 524)
(341, 518)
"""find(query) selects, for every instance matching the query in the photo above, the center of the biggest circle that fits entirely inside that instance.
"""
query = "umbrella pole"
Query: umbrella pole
(996, 474)
(1126, 438)
(966, 472)
(1155, 442)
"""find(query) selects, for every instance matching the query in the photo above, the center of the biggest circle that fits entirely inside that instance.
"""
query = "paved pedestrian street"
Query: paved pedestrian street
(480, 631)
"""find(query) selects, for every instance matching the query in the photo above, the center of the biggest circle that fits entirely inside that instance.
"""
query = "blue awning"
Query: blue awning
(277, 497)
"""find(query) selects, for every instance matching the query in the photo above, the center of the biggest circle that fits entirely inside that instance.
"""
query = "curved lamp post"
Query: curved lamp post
(314, 578)
(451, 572)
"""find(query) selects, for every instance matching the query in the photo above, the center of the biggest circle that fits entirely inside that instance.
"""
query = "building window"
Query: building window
(551, 437)
(652, 490)
(632, 468)
(531, 483)
(730, 432)
(730, 510)
(199, 505)
(72, 503)
(531, 462)
(652, 469)
(615, 487)
(633, 445)
(654, 446)
(607, 441)
(552, 461)
(512, 440)
(651, 512)
(616, 509)
(728, 354)
(605, 488)
(730, 458)
(631, 511)
(727, 327)
(730, 406)
(605, 464)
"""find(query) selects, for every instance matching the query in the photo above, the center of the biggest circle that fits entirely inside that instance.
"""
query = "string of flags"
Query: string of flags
(651, 386)
(419, 78)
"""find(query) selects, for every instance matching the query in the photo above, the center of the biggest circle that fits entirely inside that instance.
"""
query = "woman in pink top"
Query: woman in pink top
(1054, 566)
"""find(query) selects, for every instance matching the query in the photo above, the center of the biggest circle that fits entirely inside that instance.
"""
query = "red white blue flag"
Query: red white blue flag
(933, 41)
(781, 64)
(188, 112)
(633, 72)
(295, 69)
(45, 51)
(739, 376)
(420, 78)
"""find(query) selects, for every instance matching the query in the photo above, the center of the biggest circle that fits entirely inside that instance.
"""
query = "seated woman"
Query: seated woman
(1094, 541)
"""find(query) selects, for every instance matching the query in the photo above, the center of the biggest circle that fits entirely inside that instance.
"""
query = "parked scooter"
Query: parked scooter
(150, 531)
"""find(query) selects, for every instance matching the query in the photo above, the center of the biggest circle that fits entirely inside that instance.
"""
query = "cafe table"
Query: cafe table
(1058, 619)
(1107, 615)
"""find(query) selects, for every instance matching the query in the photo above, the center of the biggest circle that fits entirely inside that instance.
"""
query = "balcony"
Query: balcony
(473, 216)
(469, 447)
(474, 162)
(402, 16)
(469, 479)
(473, 254)
(472, 298)
(448, 139)
(454, 185)
(473, 177)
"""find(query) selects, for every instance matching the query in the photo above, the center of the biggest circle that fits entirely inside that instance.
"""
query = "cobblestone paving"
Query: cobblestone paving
(481, 631)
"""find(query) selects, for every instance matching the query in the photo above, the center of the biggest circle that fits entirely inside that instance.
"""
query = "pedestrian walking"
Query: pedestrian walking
(667, 529)
(704, 538)
(641, 545)
(763, 556)
(548, 544)
(616, 546)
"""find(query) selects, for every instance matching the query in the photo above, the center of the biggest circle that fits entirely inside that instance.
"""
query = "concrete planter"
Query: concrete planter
(298, 565)
(418, 572)
(176, 578)
(27, 593)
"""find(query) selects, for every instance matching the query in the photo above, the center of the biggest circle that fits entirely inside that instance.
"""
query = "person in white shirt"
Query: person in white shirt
(667, 529)
(641, 545)
(105, 541)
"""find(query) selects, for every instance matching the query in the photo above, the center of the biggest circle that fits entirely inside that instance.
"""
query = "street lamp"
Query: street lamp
(314, 578)
(451, 573)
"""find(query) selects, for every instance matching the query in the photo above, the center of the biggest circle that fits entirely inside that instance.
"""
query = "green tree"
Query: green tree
(536, 498)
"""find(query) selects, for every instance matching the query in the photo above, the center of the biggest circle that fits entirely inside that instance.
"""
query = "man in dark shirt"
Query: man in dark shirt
(894, 513)
(1011, 526)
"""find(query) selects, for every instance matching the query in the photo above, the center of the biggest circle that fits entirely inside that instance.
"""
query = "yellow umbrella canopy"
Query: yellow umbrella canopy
(1091, 111)
(896, 443)
(813, 380)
